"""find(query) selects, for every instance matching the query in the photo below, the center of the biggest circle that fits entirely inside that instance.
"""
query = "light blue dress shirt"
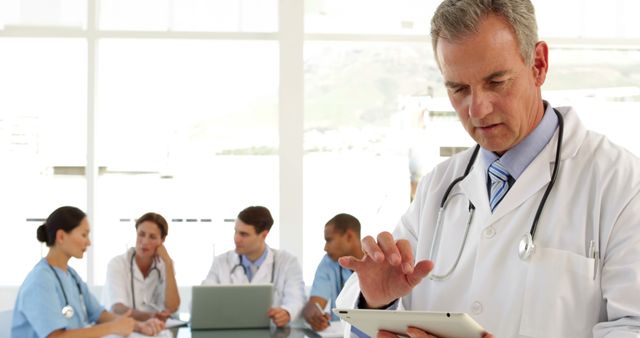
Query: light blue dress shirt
(518, 158)
(329, 280)
(38, 308)
(256, 265)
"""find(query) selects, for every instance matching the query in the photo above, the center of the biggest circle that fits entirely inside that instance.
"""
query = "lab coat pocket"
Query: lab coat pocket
(561, 298)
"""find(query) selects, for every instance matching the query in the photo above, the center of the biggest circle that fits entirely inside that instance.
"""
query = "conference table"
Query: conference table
(186, 332)
(296, 330)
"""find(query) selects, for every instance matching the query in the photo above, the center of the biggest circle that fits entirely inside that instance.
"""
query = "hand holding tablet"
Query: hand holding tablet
(391, 274)
(440, 324)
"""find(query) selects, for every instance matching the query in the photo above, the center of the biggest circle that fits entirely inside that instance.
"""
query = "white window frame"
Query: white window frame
(291, 39)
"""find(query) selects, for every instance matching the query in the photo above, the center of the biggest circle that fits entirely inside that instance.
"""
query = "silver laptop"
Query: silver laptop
(230, 306)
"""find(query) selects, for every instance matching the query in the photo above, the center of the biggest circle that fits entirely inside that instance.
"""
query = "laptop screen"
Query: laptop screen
(230, 306)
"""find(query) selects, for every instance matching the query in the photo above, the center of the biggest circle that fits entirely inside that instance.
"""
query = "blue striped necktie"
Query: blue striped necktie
(499, 177)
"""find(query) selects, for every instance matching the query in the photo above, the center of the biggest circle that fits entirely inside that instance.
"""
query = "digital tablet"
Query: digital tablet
(440, 324)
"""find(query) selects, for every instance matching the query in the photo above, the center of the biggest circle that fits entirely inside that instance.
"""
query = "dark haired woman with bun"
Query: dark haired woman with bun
(53, 301)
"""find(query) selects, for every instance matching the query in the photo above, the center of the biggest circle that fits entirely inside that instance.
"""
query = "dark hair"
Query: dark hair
(64, 218)
(157, 219)
(343, 222)
(257, 216)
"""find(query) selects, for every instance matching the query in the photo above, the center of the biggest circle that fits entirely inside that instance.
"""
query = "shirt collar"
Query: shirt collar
(247, 263)
(157, 264)
(518, 158)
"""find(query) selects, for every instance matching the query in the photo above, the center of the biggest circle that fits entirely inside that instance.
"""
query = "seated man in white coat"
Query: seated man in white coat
(254, 262)
(534, 232)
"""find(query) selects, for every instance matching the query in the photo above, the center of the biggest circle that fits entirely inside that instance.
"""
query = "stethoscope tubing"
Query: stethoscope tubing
(133, 291)
(526, 246)
(67, 310)
(434, 248)
(554, 174)
(244, 269)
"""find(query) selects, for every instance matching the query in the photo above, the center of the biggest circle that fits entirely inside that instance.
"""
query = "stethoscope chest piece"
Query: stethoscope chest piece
(526, 247)
(67, 311)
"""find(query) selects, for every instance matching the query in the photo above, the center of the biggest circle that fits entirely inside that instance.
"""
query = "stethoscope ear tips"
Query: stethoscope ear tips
(526, 247)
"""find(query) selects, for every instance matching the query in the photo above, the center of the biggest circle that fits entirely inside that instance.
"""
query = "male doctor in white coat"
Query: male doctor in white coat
(573, 273)
(254, 262)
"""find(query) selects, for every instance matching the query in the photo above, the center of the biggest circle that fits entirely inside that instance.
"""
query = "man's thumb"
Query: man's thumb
(420, 271)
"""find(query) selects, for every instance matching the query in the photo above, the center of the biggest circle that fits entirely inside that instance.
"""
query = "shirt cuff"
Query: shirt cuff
(391, 306)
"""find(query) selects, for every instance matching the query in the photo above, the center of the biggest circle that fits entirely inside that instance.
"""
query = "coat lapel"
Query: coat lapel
(532, 181)
(475, 188)
(263, 275)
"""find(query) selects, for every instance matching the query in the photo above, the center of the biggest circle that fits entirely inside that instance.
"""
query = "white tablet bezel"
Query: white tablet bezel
(440, 324)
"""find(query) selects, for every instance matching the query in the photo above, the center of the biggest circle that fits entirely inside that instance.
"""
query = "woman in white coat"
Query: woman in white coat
(143, 278)
(583, 277)
(254, 262)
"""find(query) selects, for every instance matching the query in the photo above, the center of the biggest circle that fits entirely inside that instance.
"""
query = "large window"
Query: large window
(42, 142)
(605, 94)
(188, 129)
(173, 105)
(177, 107)
(358, 111)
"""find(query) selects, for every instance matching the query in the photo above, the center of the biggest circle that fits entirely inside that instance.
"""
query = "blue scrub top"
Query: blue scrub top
(38, 309)
(328, 283)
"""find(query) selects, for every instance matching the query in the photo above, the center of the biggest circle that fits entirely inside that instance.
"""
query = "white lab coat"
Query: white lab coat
(288, 282)
(554, 294)
(149, 292)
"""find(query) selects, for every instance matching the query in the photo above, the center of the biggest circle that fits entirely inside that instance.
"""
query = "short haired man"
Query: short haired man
(538, 179)
(342, 238)
(254, 262)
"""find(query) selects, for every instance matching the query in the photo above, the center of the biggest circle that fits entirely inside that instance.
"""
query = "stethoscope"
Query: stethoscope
(244, 268)
(526, 247)
(67, 310)
(154, 267)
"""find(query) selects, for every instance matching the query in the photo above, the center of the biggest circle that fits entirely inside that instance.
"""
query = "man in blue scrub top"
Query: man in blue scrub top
(342, 237)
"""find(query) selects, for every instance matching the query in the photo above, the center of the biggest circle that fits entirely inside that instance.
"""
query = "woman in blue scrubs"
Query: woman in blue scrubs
(53, 301)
